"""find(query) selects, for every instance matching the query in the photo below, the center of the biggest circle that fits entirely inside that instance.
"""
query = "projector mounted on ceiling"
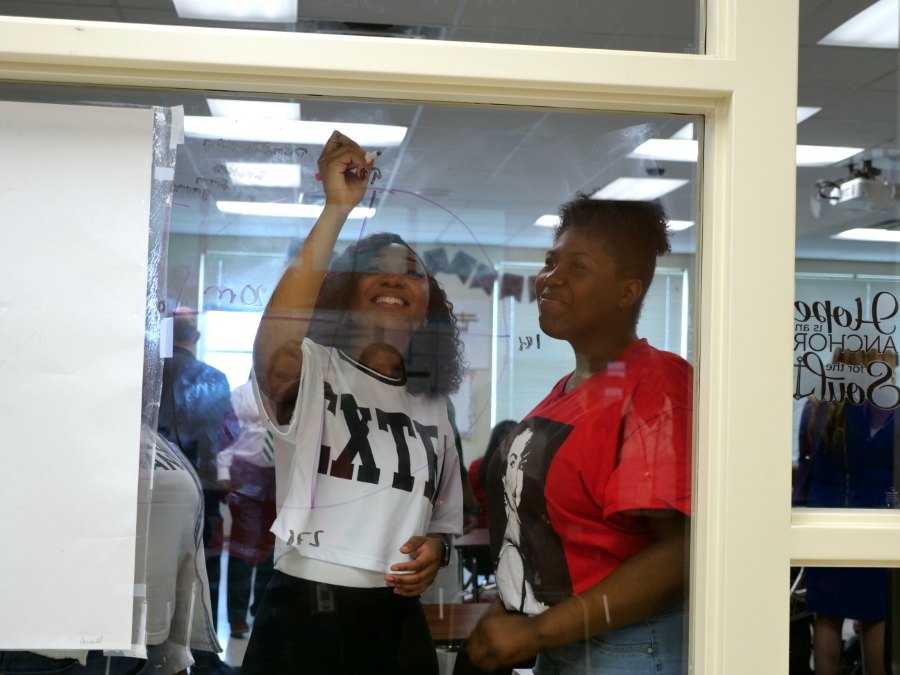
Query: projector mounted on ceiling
(860, 190)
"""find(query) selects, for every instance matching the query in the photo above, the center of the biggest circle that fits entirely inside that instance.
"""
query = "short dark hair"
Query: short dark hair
(635, 234)
(434, 360)
(184, 325)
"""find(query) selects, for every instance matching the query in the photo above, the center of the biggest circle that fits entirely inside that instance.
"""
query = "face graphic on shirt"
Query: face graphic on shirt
(532, 572)
(516, 590)
(513, 482)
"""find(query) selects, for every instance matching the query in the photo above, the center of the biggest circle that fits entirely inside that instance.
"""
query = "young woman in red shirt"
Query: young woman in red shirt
(589, 496)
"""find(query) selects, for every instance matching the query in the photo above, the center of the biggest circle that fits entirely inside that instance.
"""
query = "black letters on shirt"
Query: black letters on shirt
(358, 423)
(426, 434)
(331, 397)
(357, 419)
(324, 458)
(397, 422)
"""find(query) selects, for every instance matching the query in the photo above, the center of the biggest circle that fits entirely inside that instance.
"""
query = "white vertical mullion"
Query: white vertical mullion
(742, 544)
(495, 310)
(685, 312)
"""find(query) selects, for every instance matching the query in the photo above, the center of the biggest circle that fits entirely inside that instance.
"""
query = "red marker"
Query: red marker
(369, 157)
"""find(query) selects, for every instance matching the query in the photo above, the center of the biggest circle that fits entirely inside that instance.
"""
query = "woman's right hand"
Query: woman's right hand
(344, 172)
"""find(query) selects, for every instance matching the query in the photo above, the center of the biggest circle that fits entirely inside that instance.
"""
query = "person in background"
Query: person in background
(812, 424)
(247, 467)
(852, 466)
(195, 414)
(478, 467)
(179, 615)
(589, 497)
(367, 475)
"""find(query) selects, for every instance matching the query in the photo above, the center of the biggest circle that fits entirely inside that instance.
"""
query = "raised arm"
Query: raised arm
(344, 173)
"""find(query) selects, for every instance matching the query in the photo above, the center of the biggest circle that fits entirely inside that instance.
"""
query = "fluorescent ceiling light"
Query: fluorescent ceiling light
(823, 155)
(866, 234)
(285, 210)
(639, 189)
(678, 225)
(804, 112)
(266, 11)
(257, 110)
(264, 175)
(667, 149)
(685, 133)
(547, 221)
(291, 131)
(877, 26)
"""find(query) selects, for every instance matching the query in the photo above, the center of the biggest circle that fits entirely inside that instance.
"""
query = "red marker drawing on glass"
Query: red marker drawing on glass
(369, 157)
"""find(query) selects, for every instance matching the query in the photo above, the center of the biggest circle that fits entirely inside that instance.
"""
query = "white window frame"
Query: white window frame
(745, 535)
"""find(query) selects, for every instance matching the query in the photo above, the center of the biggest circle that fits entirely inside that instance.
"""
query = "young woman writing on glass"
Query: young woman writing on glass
(352, 369)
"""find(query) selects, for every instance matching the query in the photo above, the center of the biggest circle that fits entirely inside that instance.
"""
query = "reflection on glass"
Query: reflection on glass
(644, 25)
(419, 335)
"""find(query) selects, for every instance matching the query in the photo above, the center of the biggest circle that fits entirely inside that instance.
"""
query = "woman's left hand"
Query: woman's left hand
(502, 639)
(419, 573)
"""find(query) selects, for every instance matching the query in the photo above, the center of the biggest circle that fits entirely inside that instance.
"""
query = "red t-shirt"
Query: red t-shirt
(478, 491)
(561, 483)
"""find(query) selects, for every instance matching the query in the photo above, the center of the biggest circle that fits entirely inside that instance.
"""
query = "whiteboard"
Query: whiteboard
(74, 216)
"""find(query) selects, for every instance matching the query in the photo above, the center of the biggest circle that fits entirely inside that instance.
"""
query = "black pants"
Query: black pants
(305, 627)
(240, 573)
(211, 518)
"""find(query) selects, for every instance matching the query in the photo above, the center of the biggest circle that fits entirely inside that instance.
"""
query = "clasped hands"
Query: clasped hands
(503, 639)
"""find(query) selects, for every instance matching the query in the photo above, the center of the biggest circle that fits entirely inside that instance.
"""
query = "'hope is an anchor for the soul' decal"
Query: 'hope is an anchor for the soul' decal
(847, 353)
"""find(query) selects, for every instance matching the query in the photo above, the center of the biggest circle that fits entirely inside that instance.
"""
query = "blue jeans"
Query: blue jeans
(656, 646)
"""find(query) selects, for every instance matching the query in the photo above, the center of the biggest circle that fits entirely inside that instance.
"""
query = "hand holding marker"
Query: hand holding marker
(369, 157)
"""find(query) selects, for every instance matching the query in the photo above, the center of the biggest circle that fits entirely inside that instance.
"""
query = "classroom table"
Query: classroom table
(451, 623)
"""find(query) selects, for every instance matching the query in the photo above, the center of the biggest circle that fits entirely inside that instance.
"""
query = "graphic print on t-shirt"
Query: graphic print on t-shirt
(527, 454)
(364, 464)
(359, 421)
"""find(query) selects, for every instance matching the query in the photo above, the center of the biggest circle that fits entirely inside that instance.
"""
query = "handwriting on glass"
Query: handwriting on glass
(528, 342)
(314, 543)
(250, 296)
(263, 148)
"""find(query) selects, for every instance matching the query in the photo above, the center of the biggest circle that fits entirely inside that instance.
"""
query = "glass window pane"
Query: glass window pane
(486, 338)
(847, 282)
(844, 620)
(639, 25)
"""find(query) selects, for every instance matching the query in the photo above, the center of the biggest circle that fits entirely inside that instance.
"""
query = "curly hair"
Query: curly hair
(434, 359)
(635, 234)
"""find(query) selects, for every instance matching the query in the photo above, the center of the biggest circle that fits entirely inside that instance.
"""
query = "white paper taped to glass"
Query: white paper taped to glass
(73, 290)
